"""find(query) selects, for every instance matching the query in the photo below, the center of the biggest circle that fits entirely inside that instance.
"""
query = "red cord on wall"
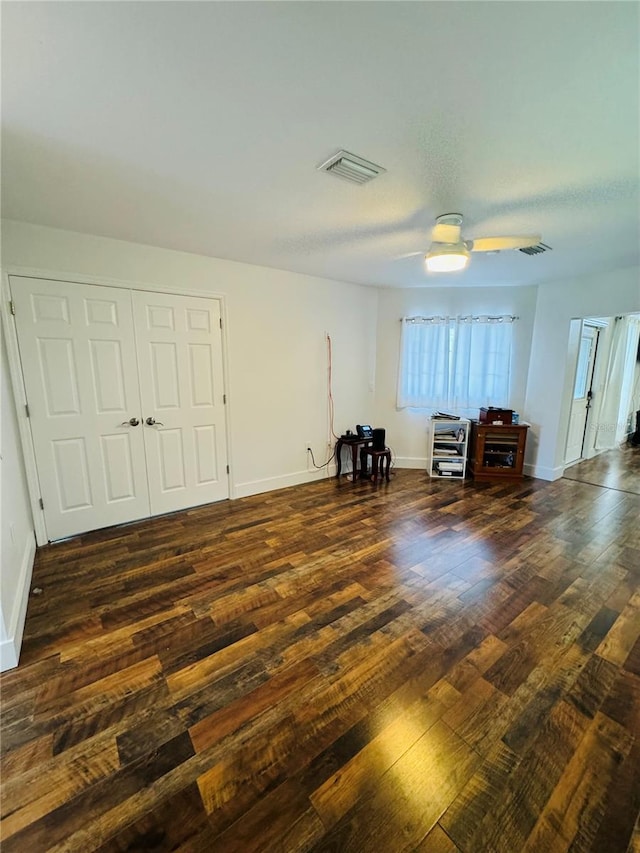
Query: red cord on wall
(330, 370)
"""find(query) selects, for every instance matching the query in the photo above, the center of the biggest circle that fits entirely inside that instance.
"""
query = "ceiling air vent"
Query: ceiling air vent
(537, 249)
(351, 168)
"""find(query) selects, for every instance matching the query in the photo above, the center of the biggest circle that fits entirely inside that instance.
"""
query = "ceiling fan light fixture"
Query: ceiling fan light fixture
(447, 257)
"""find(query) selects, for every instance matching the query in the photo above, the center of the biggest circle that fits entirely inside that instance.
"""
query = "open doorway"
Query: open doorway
(621, 395)
(605, 401)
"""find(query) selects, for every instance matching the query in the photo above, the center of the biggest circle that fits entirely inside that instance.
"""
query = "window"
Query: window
(425, 362)
(585, 363)
(455, 362)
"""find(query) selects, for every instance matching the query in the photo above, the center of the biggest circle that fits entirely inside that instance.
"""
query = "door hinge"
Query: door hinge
(26, 408)
(220, 322)
(41, 502)
(12, 307)
(224, 399)
(227, 469)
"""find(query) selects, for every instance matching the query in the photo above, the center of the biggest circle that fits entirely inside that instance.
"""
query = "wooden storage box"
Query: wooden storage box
(493, 415)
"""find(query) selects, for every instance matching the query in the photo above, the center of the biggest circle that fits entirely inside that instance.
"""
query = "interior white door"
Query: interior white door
(581, 394)
(179, 344)
(79, 365)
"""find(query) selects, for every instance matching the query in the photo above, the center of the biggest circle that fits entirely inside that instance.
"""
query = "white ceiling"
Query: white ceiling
(199, 127)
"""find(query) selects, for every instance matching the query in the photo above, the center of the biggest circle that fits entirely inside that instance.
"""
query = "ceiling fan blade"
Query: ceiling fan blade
(497, 244)
(408, 255)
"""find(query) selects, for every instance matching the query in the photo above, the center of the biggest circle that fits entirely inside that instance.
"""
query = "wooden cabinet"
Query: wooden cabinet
(448, 441)
(497, 451)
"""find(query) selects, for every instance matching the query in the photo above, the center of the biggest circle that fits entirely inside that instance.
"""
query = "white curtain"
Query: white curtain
(423, 378)
(617, 398)
(481, 362)
(455, 363)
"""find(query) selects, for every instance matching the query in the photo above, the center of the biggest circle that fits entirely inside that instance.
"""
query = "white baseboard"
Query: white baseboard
(10, 647)
(256, 487)
(543, 473)
(270, 484)
(419, 462)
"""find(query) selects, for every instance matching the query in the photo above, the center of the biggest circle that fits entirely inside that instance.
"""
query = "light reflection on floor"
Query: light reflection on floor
(614, 469)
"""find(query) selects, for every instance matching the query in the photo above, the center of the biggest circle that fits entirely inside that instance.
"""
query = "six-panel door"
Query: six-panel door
(79, 364)
(181, 383)
(98, 364)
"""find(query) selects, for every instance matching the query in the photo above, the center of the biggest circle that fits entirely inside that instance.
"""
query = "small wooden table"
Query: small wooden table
(380, 461)
(354, 443)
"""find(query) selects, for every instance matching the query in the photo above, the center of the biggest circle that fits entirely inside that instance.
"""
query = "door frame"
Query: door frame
(17, 380)
(593, 363)
(576, 326)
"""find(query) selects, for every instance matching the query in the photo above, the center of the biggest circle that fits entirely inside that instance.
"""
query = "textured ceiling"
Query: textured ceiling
(199, 127)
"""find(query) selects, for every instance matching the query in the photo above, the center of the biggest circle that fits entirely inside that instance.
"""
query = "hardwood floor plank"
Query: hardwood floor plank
(63, 781)
(275, 754)
(360, 776)
(425, 666)
(282, 820)
(59, 691)
(598, 628)
(592, 686)
(526, 789)
(116, 713)
(409, 798)
(108, 688)
(178, 823)
(437, 841)
(619, 823)
(623, 635)
(481, 795)
(104, 794)
(232, 716)
(148, 733)
(572, 815)
(196, 676)
(32, 754)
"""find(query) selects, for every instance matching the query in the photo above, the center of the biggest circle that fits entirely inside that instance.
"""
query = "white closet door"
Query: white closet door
(79, 365)
(179, 344)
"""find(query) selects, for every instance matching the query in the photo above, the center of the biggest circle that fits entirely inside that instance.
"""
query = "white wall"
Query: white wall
(277, 369)
(277, 362)
(551, 374)
(276, 344)
(17, 542)
(407, 428)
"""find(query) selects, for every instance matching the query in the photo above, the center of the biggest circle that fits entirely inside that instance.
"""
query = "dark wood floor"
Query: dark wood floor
(423, 665)
(613, 469)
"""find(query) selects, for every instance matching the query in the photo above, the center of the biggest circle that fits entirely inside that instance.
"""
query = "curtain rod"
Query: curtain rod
(501, 318)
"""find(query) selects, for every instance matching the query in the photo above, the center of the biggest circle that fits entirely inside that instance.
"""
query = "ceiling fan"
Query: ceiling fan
(449, 252)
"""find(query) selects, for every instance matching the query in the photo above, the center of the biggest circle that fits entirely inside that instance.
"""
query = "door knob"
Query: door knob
(130, 422)
(153, 422)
